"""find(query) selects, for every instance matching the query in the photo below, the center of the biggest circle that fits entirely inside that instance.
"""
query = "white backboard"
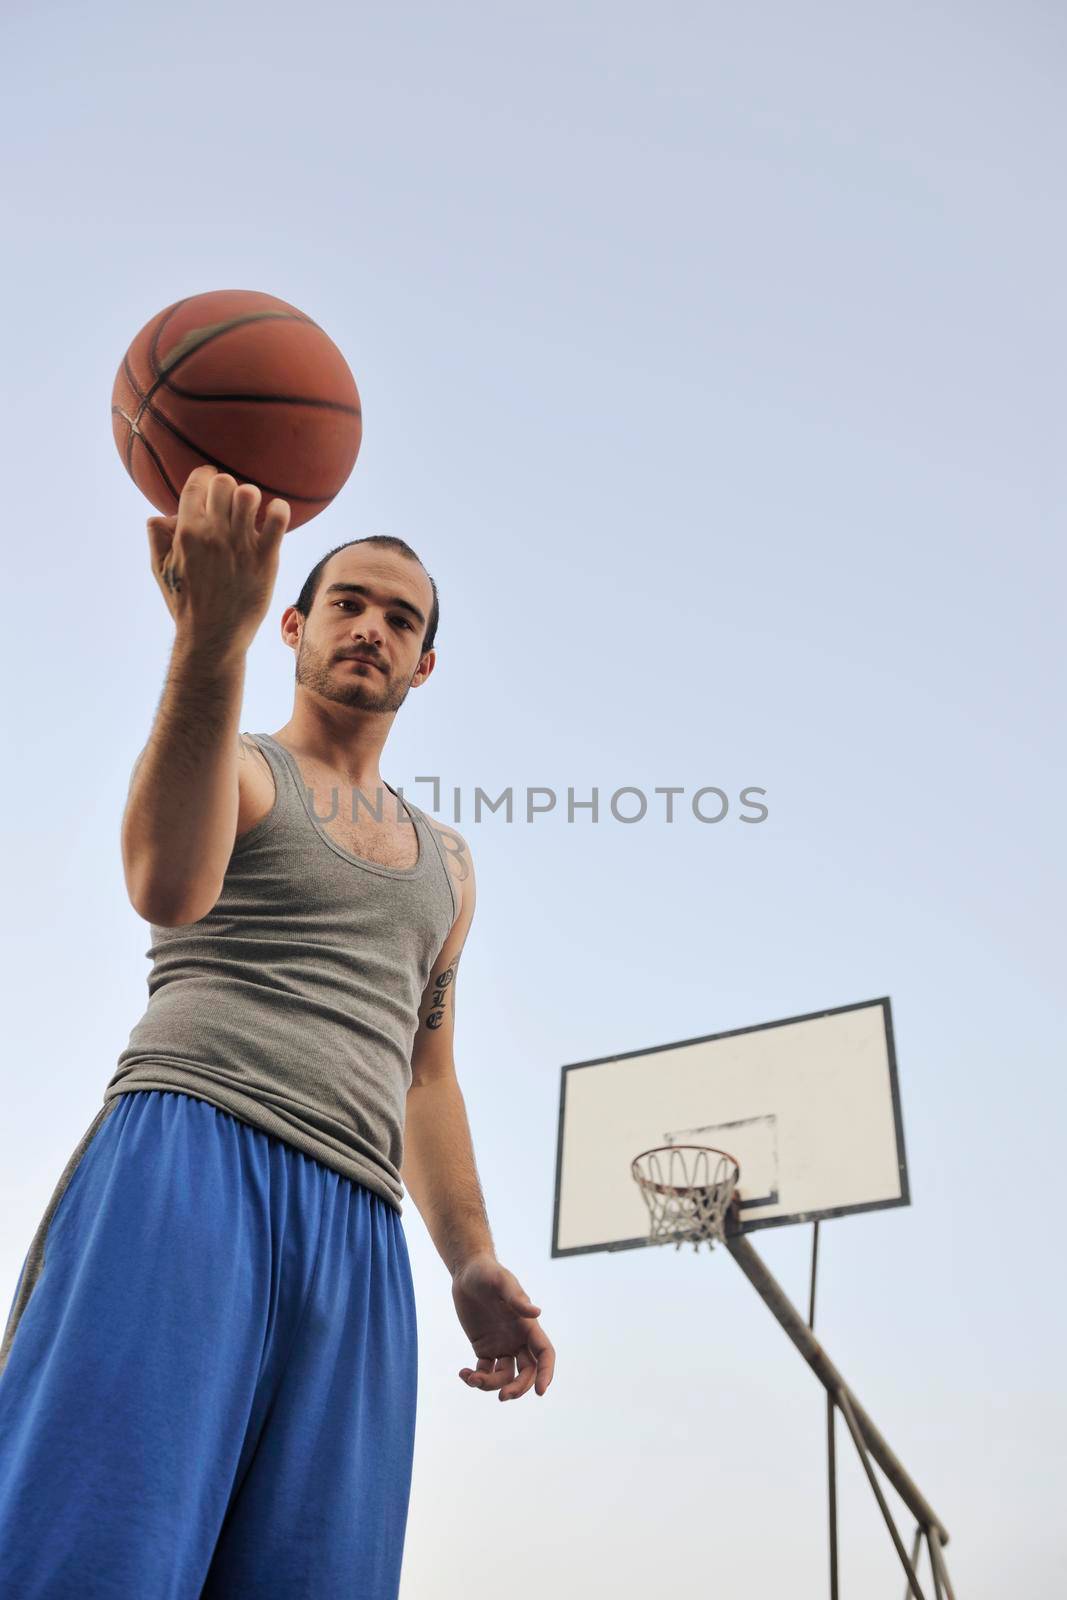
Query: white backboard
(809, 1106)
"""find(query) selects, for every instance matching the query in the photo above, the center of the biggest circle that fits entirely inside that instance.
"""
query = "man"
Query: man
(207, 1382)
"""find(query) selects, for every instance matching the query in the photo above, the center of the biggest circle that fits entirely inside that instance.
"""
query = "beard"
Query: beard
(333, 679)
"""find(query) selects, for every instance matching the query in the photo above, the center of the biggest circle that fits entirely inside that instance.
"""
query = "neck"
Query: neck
(348, 745)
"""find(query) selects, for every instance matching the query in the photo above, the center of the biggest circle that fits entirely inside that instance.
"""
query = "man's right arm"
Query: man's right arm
(180, 821)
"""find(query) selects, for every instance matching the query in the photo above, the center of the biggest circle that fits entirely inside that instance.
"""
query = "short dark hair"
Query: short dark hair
(306, 598)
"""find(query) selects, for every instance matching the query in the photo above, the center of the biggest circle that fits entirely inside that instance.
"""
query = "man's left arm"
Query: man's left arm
(439, 1173)
(438, 1168)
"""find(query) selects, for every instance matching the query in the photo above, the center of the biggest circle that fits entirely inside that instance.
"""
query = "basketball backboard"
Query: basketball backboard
(809, 1106)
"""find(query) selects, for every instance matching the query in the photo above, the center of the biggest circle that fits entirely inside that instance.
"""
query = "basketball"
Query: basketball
(243, 382)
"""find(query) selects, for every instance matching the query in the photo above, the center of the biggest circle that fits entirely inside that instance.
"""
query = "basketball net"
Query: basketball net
(688, 1192)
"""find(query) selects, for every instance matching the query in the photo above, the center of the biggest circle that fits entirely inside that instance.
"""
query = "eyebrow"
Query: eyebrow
(361, 588)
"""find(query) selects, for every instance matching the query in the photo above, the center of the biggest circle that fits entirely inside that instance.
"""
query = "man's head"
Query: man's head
(369, 598)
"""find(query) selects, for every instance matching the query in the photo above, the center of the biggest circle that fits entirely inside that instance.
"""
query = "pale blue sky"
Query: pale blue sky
(712, 358)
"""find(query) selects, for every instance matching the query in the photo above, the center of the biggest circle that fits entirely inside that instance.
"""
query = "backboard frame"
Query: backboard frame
(741, 1225)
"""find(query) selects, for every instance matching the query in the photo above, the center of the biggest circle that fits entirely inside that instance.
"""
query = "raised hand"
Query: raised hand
(215, 568)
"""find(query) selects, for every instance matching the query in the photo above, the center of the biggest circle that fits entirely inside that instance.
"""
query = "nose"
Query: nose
(366, 631)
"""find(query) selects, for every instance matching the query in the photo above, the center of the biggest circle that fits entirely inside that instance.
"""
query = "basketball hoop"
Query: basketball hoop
(691, 1201)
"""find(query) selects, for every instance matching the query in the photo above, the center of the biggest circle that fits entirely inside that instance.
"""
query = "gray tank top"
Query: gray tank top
(294, 1003)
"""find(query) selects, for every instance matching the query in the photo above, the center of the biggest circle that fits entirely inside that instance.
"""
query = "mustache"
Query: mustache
(359, 655)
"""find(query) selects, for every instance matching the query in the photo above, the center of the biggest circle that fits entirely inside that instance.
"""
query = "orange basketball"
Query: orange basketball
(247, 384)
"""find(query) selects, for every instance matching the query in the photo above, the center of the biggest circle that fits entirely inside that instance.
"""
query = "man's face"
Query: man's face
(375, 604)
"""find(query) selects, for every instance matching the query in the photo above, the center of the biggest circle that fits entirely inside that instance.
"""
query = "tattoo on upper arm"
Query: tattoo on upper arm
(442, 984)
(457, 849)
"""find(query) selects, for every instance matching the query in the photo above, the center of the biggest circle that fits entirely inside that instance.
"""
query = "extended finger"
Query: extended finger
(522, 1303)
(541, 1345)
(243, 510)
(160, 539)
(275, 521)
(485, 1364)
(527, 1373)
(193, 498)
(220, 495)
(490, 1375)
(502, 1372)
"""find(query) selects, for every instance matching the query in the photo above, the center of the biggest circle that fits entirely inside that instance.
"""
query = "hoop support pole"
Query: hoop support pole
(849, 1414)
(770, 1291)
(939, 1593)
(938, 1560)
(916, 1546)
(831, 1474)
(831, 1446)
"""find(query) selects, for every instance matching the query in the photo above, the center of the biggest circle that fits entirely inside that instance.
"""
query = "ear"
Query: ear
(425, 667)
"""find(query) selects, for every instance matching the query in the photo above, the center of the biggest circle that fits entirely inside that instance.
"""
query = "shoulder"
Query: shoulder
(250, 758)
(255, 775)
(255, 784)
(249, 754)
(459, 861)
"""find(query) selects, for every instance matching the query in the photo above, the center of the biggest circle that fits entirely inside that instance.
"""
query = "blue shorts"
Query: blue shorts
(211, 1390)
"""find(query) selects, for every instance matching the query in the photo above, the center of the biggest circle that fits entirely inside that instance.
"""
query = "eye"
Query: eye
(403, 621)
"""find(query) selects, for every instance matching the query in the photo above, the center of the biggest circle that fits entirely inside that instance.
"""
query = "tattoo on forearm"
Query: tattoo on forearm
(439, 999)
